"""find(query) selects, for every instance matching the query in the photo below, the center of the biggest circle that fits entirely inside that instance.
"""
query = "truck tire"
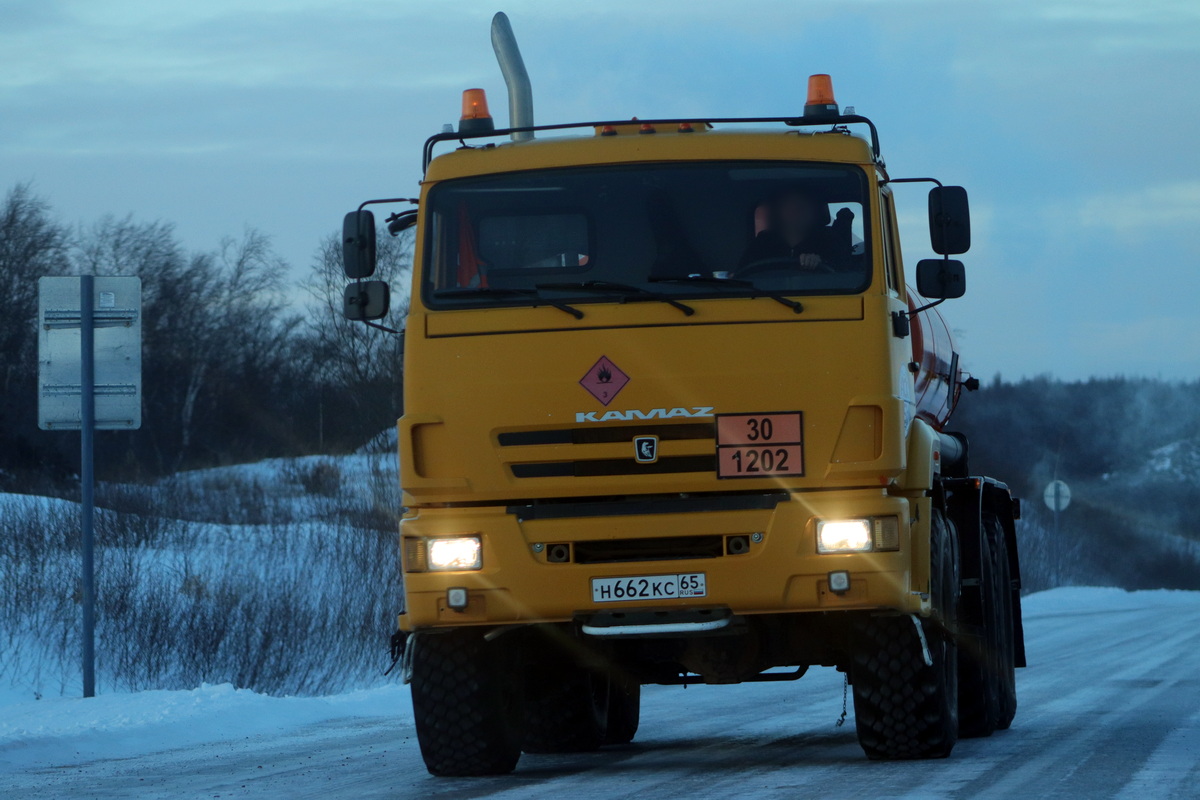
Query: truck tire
(624, 711)
(906, 707)
(566, 710)
(979, 653)
(463, 704)
(1006, 677)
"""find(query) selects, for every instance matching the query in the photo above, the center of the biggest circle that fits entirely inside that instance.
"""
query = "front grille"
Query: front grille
(613, 466)
(619, 433)
(647, 504)
(610, 551)
(583, 467)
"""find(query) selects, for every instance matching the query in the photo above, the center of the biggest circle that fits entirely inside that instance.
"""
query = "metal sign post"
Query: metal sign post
(87, 476)
(1057, 497)
(108, 367)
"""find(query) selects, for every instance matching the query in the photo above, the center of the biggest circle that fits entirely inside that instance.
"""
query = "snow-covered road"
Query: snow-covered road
(1110, 707)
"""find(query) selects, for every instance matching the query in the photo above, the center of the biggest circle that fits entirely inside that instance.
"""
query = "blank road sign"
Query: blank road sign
(117, 320)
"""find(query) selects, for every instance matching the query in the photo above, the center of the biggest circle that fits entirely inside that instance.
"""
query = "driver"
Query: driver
(795, 231)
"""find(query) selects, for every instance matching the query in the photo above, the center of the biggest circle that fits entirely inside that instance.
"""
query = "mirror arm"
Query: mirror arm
(366, 203)
(380, 327)
(925, 307)
(886, 181)
(917, 180)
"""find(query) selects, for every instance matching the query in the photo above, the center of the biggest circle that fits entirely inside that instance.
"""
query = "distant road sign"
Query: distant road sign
(117, 320)
(1057, 496)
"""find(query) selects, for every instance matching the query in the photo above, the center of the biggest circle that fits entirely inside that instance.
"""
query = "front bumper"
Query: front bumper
(781, 571)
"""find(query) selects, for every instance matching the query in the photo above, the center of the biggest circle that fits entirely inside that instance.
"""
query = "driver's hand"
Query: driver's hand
(809, 260)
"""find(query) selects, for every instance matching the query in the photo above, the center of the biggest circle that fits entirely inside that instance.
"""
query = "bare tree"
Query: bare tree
(357, 368)
(229, 371)
(350, 353)
(216, 329)
(173, 308)
(245, 330)
(32, 245)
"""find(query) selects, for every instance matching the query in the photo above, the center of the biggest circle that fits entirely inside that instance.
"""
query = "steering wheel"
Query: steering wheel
(779, 263)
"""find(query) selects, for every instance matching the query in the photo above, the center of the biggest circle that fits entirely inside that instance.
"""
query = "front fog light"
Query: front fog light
(465, 552)
(843, 536)
(839, 582)
(457, 598)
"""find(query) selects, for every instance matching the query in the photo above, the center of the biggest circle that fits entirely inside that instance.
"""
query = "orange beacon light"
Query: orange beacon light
(475, 115)
(820, 101)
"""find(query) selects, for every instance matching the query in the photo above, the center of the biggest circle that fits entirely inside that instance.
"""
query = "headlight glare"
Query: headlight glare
(843, 536)
(459, 553)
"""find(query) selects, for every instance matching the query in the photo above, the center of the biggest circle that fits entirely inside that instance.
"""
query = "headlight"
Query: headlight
(843, 536)
(858, 535)
(464, 552)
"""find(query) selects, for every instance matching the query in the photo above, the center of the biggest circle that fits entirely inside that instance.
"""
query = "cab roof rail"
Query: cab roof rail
(792, 121)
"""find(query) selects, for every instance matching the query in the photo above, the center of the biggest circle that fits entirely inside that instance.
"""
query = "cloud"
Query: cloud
(1156, 346)
(1149, 212)
(138, 44)
(1070, 122)
(1121, 12)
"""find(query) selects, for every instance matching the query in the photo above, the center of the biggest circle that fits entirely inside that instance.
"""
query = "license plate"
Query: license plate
(649, 587)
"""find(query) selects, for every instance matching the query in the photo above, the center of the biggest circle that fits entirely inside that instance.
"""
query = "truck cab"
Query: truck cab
(672, 415)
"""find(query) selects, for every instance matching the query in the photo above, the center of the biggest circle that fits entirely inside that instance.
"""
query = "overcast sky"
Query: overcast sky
(1072, 123)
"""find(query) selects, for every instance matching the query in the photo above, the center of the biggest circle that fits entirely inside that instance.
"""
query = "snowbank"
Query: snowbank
(110, 726)
(1072, 600)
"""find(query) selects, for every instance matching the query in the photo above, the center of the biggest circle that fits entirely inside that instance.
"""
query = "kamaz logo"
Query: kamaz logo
(654, 413)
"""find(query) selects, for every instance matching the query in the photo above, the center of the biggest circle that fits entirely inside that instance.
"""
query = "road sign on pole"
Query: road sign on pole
(117, 324)
(89, 380)
(1057, 496)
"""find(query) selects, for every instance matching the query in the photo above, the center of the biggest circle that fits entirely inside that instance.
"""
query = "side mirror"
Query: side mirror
(366, 300)
(358, 244)
(949, 220)
(398, 223)
(941, 279)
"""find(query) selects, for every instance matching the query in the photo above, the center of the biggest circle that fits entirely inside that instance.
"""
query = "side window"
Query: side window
(850, 215)
(891, 251)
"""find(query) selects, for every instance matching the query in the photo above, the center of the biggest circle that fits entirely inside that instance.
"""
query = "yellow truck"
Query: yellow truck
(672, 415)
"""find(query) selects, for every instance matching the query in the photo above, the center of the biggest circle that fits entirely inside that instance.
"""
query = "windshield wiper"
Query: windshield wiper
(755, 291)
(627, 292)
(534, 293)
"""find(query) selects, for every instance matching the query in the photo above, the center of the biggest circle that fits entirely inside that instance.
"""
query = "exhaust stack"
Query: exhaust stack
(512, 66)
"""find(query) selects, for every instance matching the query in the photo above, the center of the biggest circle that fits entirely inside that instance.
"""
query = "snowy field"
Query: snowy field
(278, 576)
(1110, 707)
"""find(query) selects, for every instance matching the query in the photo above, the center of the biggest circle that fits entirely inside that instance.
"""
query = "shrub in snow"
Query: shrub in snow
(242, 576)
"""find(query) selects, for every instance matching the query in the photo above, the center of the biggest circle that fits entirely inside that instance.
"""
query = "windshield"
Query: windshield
(602, 234)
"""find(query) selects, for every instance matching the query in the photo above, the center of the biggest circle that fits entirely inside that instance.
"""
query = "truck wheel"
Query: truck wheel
(1006, 677)
(463, 705)
(906, 694)
(979, 654)
(624, 711)
(566, 710)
